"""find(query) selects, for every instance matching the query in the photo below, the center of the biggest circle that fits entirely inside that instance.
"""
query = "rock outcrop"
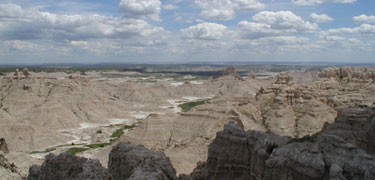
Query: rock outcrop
(17, 74)
(290, 110)
(132, 162)
(349, 74)
(67, 166)
(356, 126)
(126, 161)
(236, 154)
(231, 71)
(26, 72)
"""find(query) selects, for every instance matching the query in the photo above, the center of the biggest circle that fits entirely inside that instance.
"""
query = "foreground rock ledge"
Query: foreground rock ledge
(236, 154)
(126, 161)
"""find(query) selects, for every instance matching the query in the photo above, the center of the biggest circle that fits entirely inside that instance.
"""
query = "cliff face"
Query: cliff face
(335, 153)
(126, 161)
(356, 126)
(67, 166)
(349, 74)
(236, 154)
(302, 109)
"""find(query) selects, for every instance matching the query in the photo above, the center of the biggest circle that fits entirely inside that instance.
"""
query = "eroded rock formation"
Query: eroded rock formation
(235, 154)
(231, 71)
(52, 106)
(289, 110)
(126, 161)
(26, 72)
(17, 74)
(357, 126)
(349, 74)
(67, 166)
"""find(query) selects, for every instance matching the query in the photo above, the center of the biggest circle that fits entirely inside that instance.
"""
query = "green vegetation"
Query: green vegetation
(129, 127)
(187, 106)
(117, 133)
(93, 146)
(120, 131)
(76, 150)
(67, 145)
(45, 151)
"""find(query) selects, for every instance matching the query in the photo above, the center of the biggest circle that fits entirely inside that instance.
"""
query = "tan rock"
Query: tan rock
(26, 72)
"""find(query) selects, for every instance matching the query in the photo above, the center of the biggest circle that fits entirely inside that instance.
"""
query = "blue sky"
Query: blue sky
(178, 31)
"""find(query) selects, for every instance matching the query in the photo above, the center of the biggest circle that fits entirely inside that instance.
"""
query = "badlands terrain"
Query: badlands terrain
(178, 111)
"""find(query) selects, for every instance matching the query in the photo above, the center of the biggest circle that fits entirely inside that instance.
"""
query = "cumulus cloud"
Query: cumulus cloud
(276, 42)
(225, 9)
(316, 2)
(17, 23)
(204, 31)
(170, 7)
(344, 45)
(268, 23)
(364, 19)
(363, 30)
(320, 18)
(140, 9)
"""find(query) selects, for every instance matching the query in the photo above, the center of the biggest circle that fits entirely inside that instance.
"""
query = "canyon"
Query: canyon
(180, 116)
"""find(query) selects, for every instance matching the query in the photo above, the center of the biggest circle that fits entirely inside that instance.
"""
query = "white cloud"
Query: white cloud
(218, 14)
(17, 23)
(170, 7)
(140, 9)
(34, 34)
(316, 2)
(204, 31)
(364, 19)
(363, 30)
(279, 42)
(267, 23)
(225, 9)
(320, 18)
(23, 45)
(341, 44)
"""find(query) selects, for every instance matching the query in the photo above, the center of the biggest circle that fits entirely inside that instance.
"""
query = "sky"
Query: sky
(182, 31)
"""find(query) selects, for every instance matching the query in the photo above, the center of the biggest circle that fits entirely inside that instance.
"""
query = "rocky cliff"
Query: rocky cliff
(126, 161)
(238, 154)
(330, 154)
(349, 74)
(67, 166)
(356, 126)
(297, 110)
